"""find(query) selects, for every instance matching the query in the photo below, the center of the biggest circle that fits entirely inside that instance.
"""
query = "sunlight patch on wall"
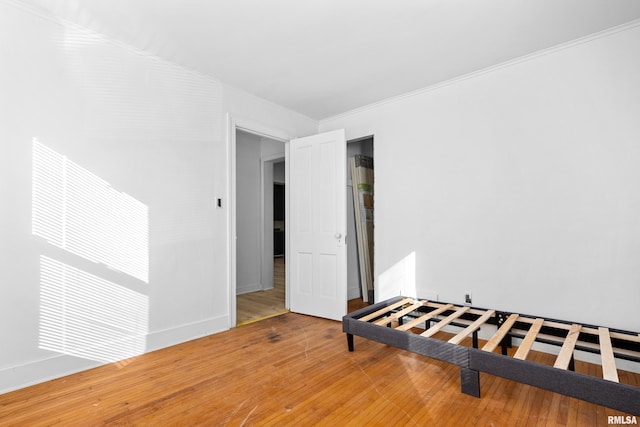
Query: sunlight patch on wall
(82, 314)
(85, 316)
(75, 210)
(399, 279)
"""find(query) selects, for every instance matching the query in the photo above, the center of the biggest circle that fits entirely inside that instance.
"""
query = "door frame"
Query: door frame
(235, 123)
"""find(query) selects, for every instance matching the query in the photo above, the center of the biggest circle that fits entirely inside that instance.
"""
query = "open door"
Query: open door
(316, 229)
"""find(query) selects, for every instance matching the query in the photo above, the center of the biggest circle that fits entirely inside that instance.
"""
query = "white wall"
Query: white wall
(152, 130)
(266, 117)
(518, 185)
(278, 172)
(248, 208)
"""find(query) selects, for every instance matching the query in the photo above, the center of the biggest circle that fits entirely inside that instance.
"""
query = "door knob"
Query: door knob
(338, 235)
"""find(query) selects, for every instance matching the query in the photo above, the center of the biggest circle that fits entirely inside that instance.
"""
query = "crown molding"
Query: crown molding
(512, 62)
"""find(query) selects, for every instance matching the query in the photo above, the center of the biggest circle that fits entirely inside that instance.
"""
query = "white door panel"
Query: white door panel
(317, 225)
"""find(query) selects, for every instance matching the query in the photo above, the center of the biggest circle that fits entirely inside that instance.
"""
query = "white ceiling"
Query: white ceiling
(325, 57)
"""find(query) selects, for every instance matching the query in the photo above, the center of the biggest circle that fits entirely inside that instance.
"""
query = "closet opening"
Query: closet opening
(360, 221)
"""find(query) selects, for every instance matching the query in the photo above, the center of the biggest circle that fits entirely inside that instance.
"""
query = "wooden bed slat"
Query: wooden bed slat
(386, 309)
(423, 318)
(529, 339)
(566, 352)
(386, 320)
(609, 370)
(500, 333)
(472, 327)
(444, 322)
(627, 337)
(616, 335)
(595, 346)
(587, 330)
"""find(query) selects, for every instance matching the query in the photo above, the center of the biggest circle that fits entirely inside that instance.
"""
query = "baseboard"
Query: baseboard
(245, 289)
(60, 365)
(39, 371)
(172, 336)
(353, 293)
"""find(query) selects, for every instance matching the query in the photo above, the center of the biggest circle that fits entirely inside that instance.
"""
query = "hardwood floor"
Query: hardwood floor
(289, 370)
(262, 304)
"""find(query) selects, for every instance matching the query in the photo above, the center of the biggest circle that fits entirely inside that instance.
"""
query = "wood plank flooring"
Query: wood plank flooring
(290, 370)
(262, 304)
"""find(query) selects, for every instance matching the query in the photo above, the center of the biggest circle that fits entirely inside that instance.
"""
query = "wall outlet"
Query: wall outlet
(467, 299)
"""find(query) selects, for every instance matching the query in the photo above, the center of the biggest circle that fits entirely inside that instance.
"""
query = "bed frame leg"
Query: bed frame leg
(572, 364)
(470, 382)
(350, 341)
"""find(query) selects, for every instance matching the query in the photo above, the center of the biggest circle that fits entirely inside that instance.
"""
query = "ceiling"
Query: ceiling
(325, 57)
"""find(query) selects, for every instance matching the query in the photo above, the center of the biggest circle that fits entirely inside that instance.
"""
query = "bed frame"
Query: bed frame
(394, 322)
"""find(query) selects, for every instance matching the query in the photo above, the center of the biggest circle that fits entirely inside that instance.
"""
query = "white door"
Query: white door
(317, 224)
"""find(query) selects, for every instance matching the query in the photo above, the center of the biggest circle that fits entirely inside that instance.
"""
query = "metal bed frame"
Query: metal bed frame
(394, 322)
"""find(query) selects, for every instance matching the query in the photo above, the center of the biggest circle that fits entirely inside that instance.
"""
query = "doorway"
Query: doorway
(260, 274)
(236, 124)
